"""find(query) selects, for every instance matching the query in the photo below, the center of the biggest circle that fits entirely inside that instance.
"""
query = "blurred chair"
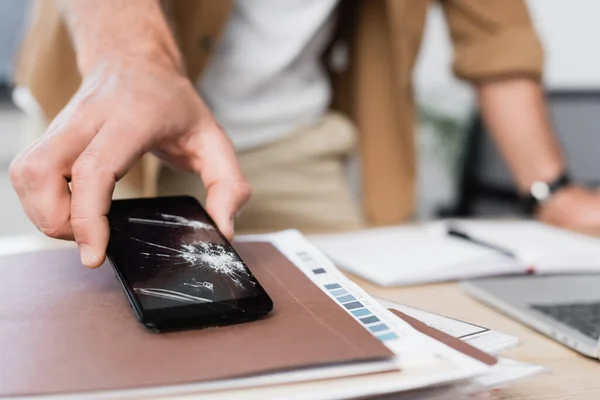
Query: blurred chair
(487, 188)
(12, 17)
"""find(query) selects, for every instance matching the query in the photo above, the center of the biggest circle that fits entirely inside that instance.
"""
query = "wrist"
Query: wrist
(544, 171)
(154, 56)
(117, 32)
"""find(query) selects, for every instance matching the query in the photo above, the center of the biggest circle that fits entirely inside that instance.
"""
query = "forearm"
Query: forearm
(106, 31)
(516, 114)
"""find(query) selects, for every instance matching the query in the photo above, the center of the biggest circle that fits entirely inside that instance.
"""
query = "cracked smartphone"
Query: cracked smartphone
(178, 270)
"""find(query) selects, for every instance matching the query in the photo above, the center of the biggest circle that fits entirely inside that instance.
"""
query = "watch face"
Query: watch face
(540, 191)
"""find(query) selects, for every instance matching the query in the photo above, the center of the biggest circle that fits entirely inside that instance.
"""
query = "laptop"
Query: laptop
(563, 307)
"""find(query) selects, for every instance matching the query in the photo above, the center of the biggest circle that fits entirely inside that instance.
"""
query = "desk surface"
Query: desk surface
(572, 376)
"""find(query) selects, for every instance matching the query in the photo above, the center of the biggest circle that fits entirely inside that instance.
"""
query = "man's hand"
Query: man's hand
(120, 112)
(573, 208)
(134, 99)
(516, 112)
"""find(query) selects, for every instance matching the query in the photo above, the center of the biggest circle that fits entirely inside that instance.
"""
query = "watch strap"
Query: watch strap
(541, 191)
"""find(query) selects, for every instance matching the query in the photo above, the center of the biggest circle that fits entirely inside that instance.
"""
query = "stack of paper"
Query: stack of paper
(409, 344)
(55, 314)
(504, 372)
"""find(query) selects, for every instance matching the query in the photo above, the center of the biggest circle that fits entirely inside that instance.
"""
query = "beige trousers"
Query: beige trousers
(298, 182)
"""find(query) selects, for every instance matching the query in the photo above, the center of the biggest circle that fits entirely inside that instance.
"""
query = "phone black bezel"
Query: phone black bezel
(193, 315)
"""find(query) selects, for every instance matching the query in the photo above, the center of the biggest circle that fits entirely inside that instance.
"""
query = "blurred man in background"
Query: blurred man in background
(287, 85)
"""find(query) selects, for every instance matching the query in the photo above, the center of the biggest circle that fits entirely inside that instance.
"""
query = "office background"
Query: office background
(446, 140)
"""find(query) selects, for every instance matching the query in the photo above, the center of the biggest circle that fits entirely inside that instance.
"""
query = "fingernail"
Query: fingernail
(88, 257)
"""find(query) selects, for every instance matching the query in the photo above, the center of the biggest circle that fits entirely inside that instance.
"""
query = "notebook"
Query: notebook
(66, 329)
(416, 254)
(539, 247)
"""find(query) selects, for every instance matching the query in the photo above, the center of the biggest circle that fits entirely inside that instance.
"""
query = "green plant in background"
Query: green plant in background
(450, 135)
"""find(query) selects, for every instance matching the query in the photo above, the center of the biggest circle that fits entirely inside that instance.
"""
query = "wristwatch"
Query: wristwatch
(541, 191)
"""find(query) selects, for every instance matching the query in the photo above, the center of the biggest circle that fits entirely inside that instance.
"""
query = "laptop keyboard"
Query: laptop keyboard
(584, 317)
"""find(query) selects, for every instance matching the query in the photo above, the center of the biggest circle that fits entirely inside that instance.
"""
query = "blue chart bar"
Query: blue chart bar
(369, 320)
(345, 299)
(361, 313)
(332, 286)
(353, 305)
(339, 292)
(387, 336)
(378, 328)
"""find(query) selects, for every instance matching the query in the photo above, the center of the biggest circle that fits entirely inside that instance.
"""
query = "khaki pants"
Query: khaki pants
(298, 182)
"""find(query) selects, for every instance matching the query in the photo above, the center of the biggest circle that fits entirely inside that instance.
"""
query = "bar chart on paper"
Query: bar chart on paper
(338, 289)
(361, 312)
(392, 331)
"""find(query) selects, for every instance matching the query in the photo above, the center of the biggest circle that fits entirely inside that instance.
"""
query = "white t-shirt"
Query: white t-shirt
(265, 79)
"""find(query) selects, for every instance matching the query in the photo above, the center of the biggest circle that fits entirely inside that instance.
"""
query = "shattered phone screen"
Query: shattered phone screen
(171, 254)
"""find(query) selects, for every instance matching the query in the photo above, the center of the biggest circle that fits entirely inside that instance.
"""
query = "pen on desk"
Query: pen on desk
(452, 231)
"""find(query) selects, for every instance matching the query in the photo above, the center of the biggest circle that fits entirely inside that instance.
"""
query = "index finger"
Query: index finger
(93, 180)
